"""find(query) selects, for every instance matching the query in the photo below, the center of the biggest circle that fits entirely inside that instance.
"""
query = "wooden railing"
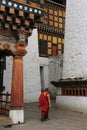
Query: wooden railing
(74, 91)
(5, 103)
(76, 87)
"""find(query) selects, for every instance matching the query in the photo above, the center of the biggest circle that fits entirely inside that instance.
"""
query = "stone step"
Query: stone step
(5, 121)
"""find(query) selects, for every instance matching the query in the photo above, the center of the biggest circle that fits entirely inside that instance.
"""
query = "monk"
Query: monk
(44, 104)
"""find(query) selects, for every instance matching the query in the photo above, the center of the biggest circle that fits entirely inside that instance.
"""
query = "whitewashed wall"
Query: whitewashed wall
(55, 70)
(8, 74)
(72, 103)
(75, 53)
(32, 86)
(75, 46)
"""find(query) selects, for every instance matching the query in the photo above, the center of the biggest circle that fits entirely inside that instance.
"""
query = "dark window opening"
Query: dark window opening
(76, 92)
(54, 50)
(67, 92)
(80, 92)
(84, 92)
(60, 1)
(70, 92)
(42, 47)
(73, 92)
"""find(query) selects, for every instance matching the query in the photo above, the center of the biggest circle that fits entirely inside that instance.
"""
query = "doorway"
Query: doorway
(42, 77)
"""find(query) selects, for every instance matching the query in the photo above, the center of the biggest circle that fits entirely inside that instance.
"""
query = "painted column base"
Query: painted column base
(17, 116)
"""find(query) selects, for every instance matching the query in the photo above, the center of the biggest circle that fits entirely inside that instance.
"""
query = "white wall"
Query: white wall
(55, 71)
(8, 74)
(72, 103)
(32, 86)
(75, 46)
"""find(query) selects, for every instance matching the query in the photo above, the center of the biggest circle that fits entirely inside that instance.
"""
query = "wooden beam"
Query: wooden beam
(17, 20)
(22, 28)
(29, 5)
(9, 18)
(1, 17)
(21, 13)
(31, 16)
(14, 27)
(27, 22)
(7, 25)
(11, 11)
(2, 8)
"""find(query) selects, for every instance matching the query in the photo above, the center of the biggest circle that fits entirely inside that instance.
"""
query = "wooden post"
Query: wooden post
(17, 97)
(17, 83)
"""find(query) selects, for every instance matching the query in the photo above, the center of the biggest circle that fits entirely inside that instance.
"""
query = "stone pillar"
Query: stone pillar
(17, 97)
(75, 46)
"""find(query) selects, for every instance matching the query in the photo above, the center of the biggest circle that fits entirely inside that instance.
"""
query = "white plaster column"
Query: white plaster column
(75, 46)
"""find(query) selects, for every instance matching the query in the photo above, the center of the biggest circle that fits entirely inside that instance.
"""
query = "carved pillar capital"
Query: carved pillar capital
(20, 49)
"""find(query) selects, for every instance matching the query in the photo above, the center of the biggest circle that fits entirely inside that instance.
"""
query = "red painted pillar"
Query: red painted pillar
(17, 92)
(17, 84)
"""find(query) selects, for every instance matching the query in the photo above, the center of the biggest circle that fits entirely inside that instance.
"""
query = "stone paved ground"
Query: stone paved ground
(59, 120)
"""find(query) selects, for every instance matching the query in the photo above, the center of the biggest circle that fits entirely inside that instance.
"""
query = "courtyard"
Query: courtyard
(59, 119)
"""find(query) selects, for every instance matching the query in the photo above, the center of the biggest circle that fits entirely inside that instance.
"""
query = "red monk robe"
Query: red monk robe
(44, 104)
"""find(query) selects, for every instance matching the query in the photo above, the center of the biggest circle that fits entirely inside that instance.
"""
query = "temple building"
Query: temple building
(31, 48)
(42, 45)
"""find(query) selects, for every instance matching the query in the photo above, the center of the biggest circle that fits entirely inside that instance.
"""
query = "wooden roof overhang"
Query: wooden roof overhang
(70, 83)
(17, 20)
(51, 4)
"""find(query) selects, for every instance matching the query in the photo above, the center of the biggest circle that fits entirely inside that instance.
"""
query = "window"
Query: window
(54, 50)
(42, 47)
